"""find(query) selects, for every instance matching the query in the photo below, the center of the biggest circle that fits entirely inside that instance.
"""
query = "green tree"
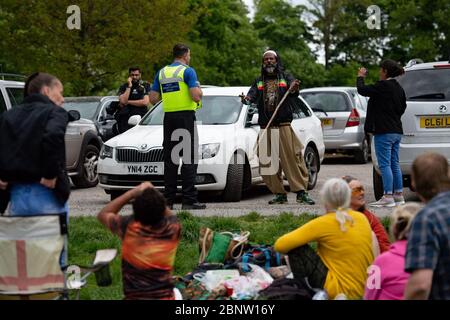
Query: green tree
(114, 35)
(341, 30)
(225, 46)
(344, 74)
(281, 26)
(418, 29)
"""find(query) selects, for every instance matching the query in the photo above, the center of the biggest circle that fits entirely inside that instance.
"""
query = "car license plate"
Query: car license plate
(151, 168)
(327, 123)
(440, 122)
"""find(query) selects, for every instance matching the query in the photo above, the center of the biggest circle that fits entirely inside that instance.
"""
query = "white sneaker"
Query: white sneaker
(385, 201)
(399, 200)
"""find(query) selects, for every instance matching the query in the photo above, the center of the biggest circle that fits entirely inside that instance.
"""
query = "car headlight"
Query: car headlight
(106, 152)
(209, 150)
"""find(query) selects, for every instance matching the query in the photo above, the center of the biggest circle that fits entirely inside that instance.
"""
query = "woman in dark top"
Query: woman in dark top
(386, 105)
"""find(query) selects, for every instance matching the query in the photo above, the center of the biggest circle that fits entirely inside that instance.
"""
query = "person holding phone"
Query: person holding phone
(387, 103)
(133, 99)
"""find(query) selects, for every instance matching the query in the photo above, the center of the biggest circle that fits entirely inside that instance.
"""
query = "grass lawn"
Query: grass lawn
(87, 235)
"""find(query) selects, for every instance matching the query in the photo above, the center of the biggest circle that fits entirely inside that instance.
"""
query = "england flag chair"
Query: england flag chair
(33, 254)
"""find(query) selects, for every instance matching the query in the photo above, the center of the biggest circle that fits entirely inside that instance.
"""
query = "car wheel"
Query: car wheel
(377, 184)
(235, 181)
(87, 171)
(312, 163)
(362, 155)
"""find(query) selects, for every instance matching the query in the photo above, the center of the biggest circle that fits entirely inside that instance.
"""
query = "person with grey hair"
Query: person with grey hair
(345, 245)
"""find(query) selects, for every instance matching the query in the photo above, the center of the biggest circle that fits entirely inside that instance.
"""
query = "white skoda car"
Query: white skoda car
(227, 131)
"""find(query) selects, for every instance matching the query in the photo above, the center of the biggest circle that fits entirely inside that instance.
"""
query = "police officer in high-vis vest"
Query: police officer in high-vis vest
(178, 86)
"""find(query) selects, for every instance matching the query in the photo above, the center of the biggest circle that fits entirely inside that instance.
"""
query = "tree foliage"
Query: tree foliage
(114, 35)
(341, 29)
(226, 44)
(418, 29)
(281, 26)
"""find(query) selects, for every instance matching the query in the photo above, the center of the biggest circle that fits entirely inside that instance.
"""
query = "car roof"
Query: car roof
(336, 89)
(426, 65)
(12, 83)
(88, 99)
(225, 91)
(82, 99)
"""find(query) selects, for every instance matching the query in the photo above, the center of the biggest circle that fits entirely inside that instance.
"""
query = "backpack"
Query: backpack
(263, 256)
(287, 289)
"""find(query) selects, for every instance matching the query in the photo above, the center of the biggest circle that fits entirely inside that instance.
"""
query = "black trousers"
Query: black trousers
(306, 263)
(180, 127)
(122, 116)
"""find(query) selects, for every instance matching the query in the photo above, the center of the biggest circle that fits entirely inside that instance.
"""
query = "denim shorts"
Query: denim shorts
(34, 199)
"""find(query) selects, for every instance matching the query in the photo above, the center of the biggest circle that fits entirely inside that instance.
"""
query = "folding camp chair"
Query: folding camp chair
(33, 250)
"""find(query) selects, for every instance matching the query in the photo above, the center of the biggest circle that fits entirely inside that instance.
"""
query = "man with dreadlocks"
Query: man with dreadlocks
(267, 92)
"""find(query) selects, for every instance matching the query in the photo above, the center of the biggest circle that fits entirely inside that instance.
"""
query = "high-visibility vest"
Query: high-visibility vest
(174, 91)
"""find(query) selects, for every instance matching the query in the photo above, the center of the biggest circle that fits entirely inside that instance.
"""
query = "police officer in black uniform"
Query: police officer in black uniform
(133, 98)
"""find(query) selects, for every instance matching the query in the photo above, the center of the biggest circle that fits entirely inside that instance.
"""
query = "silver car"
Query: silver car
(426, 121)
(343, 114)
(94, 109)
(82, 138)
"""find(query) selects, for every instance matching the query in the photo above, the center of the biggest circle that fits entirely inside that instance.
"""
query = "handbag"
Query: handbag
(218, 247)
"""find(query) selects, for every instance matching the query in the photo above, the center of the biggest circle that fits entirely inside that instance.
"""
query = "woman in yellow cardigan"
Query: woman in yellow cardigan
(345, 245)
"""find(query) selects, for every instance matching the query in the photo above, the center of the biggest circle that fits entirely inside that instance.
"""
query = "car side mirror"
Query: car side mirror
(134, 120)
(255, 119)
(74, 115)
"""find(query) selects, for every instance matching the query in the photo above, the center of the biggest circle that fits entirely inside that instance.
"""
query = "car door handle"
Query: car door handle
(301, 130)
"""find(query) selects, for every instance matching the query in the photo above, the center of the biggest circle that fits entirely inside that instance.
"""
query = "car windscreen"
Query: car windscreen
(429, 84)
(215, 110)
(86, 109)
(327, 101)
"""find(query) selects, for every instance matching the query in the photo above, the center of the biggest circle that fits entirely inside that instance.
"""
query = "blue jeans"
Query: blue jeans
(387, 149)
(35, 199)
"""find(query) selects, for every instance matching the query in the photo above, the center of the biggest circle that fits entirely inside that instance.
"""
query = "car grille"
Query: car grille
(156, 180)
(133, 155)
